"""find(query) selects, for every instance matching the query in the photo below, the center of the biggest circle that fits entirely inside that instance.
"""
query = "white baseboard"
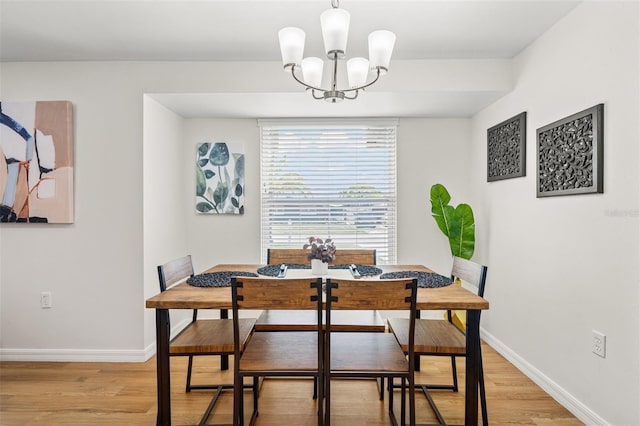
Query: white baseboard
(74, 355)
(85, 355)
(577, 408)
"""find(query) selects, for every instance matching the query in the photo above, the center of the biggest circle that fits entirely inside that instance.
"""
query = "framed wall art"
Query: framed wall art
(506, 148)
(570, 154)
(36, 179)
(219, 178)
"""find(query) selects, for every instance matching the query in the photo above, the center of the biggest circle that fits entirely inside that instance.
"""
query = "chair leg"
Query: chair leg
(255, 395)
(237, 389)
(327, 401)
(320, 380)
(412, 401)
(315, 388)
(454, 372)
(255, 413)
(189, 367)
(403, 402)
(392, 413)
(212, 403)
(483, 397)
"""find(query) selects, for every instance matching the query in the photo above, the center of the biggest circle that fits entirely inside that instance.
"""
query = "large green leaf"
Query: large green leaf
(440, 208)
(201, 182)
(462, 232)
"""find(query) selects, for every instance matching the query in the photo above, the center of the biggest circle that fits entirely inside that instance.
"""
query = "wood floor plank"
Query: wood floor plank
(68, 393)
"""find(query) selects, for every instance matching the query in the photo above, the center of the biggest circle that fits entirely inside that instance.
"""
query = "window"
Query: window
(329, 178)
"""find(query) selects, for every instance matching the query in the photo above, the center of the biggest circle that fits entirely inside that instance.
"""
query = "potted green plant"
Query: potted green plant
(321, 252)
(458, 225)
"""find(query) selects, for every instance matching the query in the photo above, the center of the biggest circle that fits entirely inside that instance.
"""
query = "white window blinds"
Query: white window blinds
(329, 178)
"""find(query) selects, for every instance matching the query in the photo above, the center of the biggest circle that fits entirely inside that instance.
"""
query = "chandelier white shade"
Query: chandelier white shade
(334, 23)
(380, 47)
(335, 30)
(291, 45)
(357, 72)
(312, 68)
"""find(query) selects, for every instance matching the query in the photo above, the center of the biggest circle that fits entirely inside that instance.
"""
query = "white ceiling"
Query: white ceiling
(246, 30)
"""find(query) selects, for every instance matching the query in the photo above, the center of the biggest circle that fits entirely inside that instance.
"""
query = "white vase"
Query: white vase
(318, 267)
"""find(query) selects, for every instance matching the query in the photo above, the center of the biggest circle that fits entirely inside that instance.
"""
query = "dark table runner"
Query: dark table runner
(274, 270)
(217, 279)
(425, 279)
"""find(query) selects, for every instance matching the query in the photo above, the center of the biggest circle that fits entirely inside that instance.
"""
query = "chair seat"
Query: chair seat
(363, 352)
(212, 337)
(282, 351)
(431, 336)
(305, 320)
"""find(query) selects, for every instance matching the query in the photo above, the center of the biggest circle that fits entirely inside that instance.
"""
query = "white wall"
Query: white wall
(92, 267)
(422, 144)
(224, 238)
(560, 267)
(164, 187)
(101, 268)
(429, 152)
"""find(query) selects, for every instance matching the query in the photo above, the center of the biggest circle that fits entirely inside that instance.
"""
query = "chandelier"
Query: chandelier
(335, 30)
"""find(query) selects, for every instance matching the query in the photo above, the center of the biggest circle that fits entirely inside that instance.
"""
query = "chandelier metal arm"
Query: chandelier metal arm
(355, 95)
(334, 81)
(313, 93)
(295, 77)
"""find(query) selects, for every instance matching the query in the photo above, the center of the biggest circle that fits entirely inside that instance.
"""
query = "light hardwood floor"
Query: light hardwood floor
(65, 393)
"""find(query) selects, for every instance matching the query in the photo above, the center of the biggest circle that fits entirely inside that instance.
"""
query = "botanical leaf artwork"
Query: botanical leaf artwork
(219, 178)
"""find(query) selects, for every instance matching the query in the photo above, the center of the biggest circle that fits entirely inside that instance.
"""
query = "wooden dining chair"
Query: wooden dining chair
(278, 353)
(358, 355)
(435, 337)
(201, 336)
(304, 320)
(299, 256)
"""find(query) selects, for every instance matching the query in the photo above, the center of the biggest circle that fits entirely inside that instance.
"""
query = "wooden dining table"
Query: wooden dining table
(186, 296)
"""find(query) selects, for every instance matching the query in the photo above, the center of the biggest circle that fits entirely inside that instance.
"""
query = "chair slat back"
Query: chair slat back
(265, 293)
(175, 271)
(399, 294)
(299, 256)
(371, 294)
(470, 272)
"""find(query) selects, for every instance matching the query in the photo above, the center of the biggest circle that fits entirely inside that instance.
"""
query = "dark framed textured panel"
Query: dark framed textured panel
(506, 148)
(570, 154)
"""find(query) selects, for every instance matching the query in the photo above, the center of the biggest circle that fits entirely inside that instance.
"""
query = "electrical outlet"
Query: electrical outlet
(45, 299)
(599, 343)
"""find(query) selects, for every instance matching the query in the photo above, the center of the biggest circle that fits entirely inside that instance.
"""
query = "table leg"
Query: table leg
(472, 374)
(224, 359)
(162, 367)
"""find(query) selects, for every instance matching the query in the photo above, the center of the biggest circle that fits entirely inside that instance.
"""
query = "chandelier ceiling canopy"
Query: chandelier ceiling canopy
(335, 31)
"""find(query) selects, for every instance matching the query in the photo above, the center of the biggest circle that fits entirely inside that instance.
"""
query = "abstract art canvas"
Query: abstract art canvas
(219, 178)
(570, 154)
(36, 180)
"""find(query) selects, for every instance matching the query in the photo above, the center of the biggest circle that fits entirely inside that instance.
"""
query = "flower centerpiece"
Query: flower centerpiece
(320, 254)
